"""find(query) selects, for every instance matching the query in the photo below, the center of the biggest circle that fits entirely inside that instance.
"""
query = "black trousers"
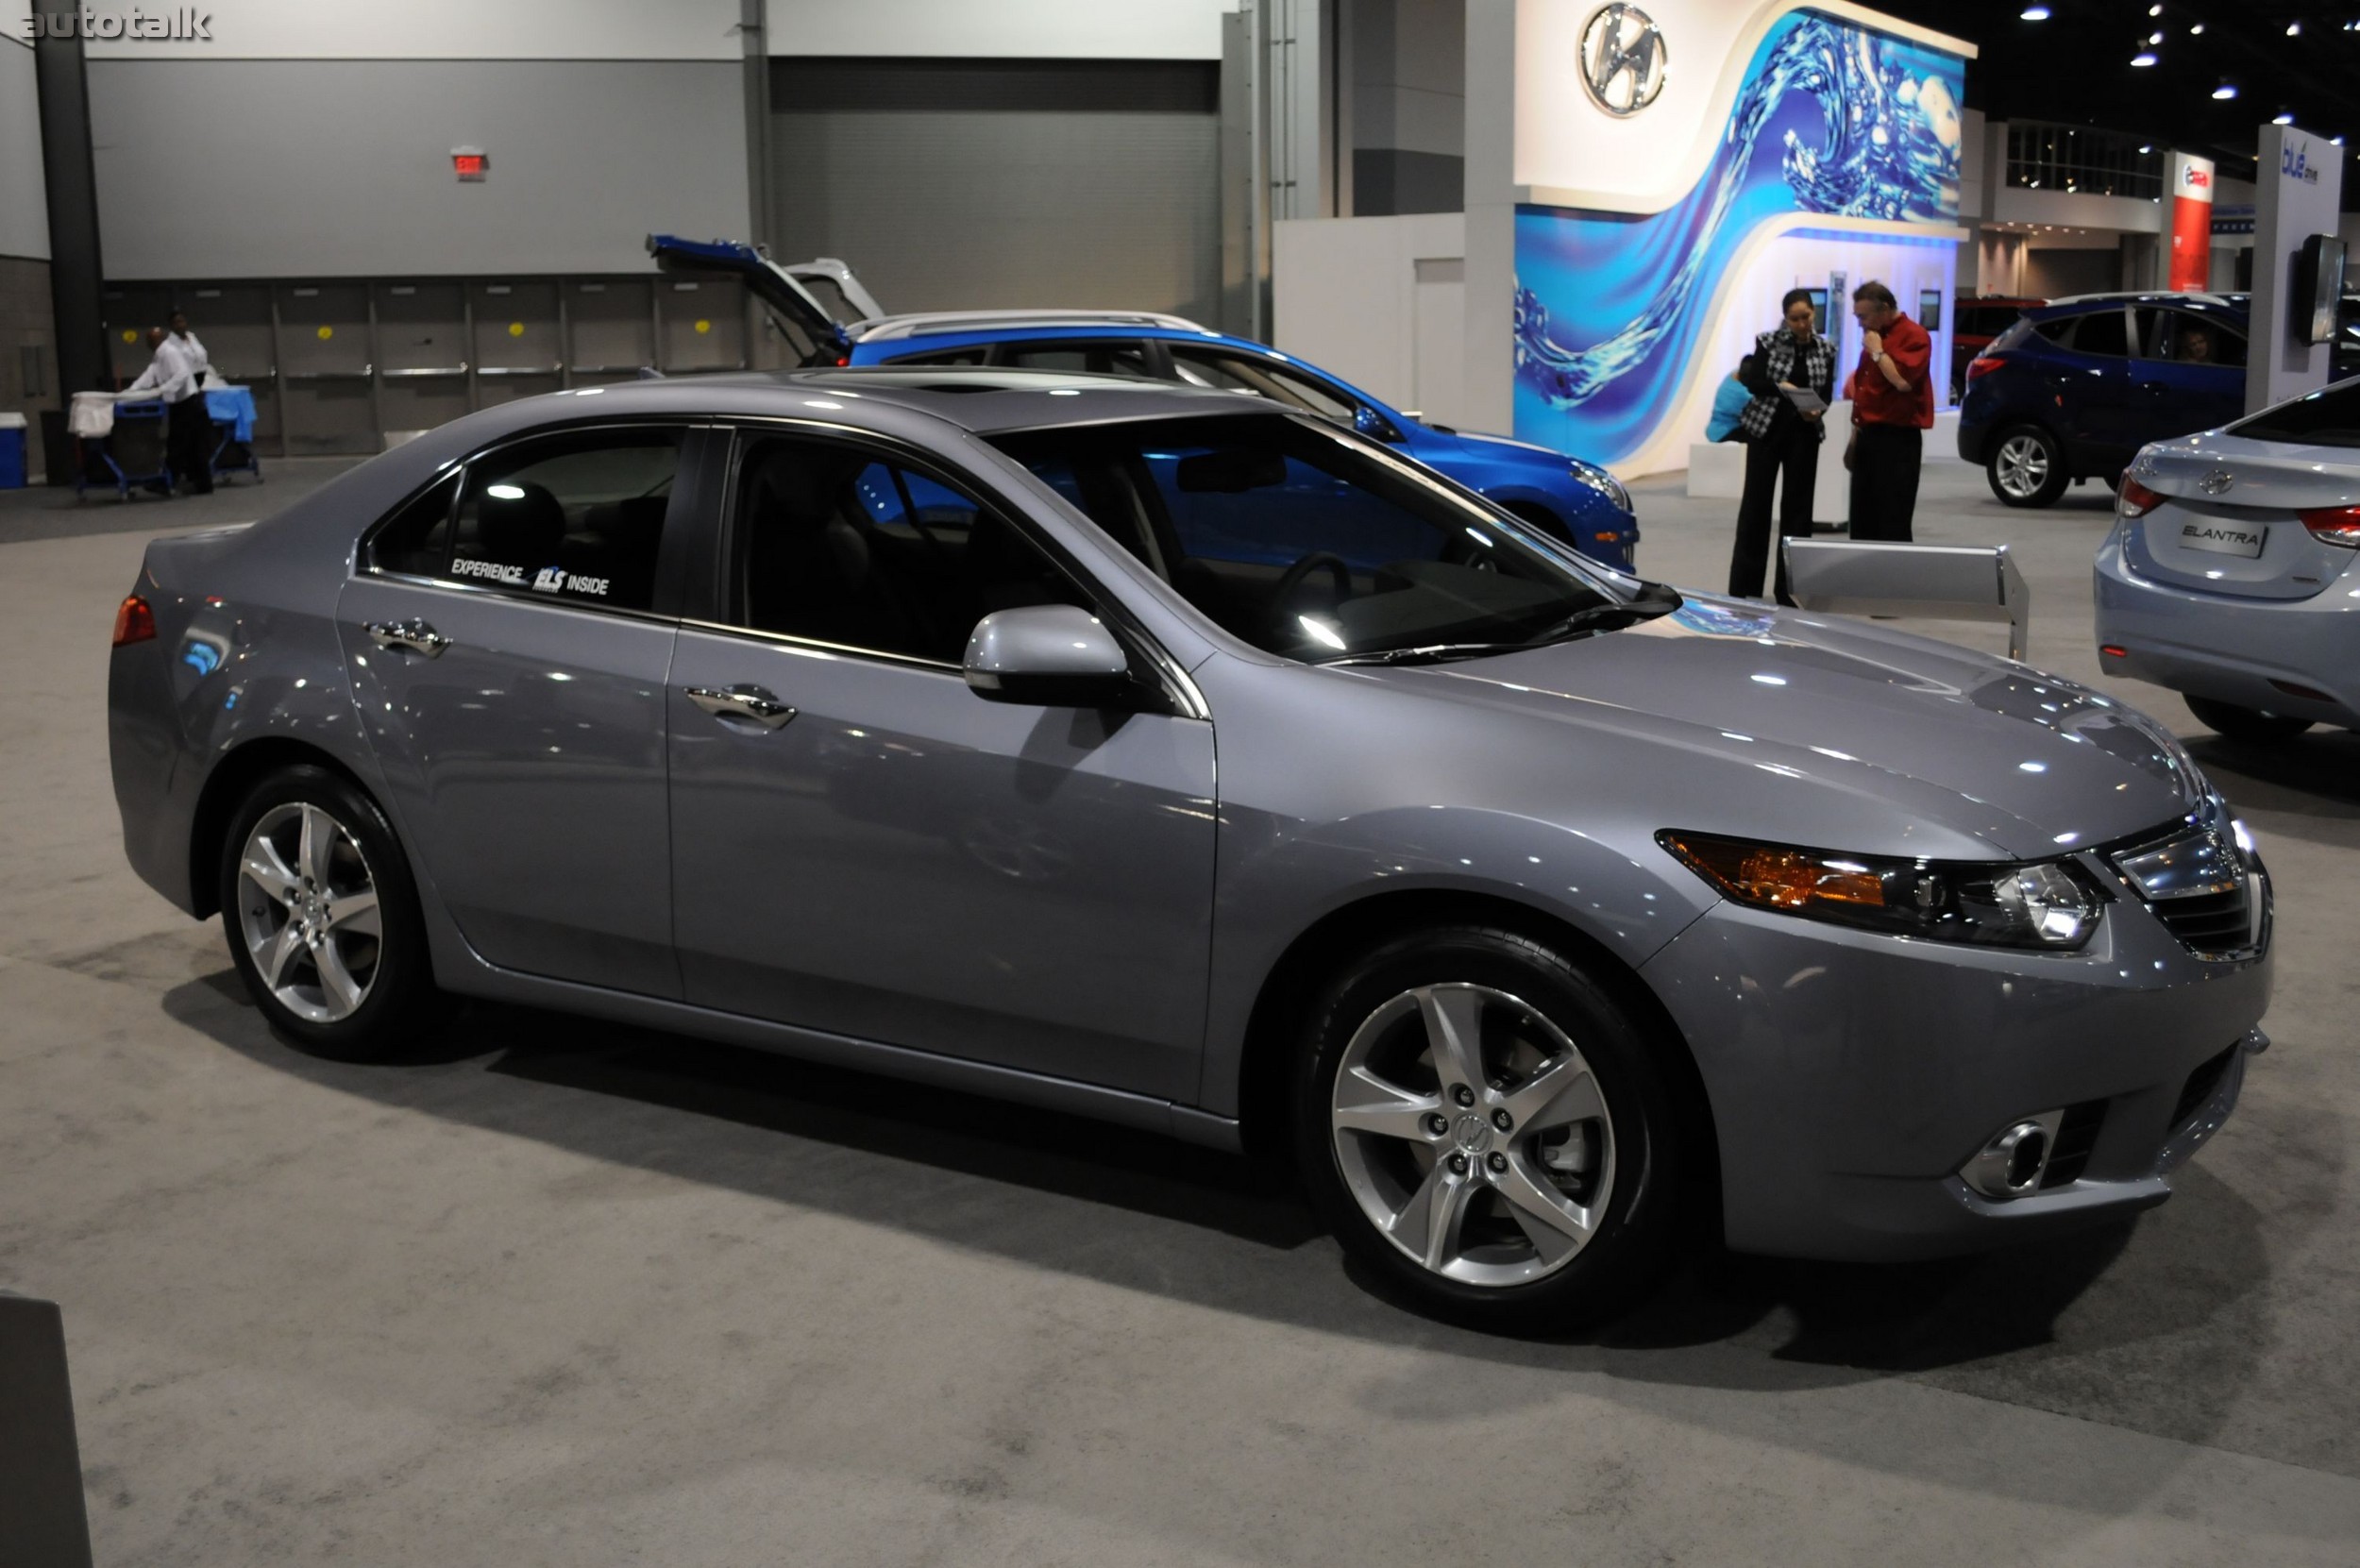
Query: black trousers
(1884, 480)
(188, 443)
(1788, 460)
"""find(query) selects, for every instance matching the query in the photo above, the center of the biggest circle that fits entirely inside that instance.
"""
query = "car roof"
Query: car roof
(2077, 303)
(936, 323)
(983, 401)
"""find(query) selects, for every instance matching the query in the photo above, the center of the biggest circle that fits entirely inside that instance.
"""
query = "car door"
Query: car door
(2190, 373)
(2098, 391)
(508, 645)
(864, 846)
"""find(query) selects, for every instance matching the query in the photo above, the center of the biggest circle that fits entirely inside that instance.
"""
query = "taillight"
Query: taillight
(1983, 365)
(2334, 525)
(2136, 500)
(134, 622)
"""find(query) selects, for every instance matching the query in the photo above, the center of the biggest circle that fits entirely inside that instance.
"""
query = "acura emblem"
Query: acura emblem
(1622, 58)
(2216, 481)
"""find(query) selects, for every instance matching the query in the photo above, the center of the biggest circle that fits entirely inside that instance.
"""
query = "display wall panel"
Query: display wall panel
(951, 184)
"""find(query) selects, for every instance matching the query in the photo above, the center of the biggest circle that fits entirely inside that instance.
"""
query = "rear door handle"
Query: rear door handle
(754, 704)
(412, 635)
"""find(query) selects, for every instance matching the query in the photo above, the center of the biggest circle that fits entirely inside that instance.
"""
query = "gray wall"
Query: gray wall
(1408, 64)
(978, 183)
(24, 208)
(243, 168)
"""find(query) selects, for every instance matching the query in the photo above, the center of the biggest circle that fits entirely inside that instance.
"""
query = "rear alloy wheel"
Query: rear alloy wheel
(2256, 725)
(322, 919)
(1480, 1123)
(2028, 467)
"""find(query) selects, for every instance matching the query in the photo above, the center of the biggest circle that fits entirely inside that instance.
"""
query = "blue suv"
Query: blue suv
(2073, 390)
(1566, 497)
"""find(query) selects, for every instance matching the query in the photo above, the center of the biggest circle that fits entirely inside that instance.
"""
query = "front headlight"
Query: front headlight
(1603, 483)
(2048, 904)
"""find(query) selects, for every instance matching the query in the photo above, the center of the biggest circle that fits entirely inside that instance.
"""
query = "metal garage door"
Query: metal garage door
(326, 375)
(978, 183)
(232, 321)
(422, 353)
(516, 341)
(700, 325)
(612, 322)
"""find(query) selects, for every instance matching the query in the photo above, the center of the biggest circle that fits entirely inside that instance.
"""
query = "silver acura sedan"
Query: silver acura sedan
(1214, 772)
(2233, 575)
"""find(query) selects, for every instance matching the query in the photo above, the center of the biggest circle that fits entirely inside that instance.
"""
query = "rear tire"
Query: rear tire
(1484, 1128)
(322, 921)
(2255, 725)
(2027, 467)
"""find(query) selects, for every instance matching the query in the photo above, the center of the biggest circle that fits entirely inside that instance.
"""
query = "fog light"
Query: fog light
(2013, 1163)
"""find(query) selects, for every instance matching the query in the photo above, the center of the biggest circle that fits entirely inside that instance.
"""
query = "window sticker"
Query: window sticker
(497, 571)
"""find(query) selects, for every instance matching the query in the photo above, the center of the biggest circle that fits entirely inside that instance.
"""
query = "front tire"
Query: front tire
(2246, 724)
(2027, 467)
(1481, 1124)
(322, 918)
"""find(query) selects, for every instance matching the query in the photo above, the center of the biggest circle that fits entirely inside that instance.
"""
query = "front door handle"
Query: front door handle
(412, 635)
(752, 703)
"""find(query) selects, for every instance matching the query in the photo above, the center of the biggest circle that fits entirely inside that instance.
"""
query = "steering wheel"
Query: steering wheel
(1295, 576)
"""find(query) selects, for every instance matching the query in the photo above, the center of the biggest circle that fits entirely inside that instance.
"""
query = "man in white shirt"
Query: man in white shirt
(176, 377)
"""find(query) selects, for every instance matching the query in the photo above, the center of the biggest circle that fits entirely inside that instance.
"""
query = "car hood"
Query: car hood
(1900, 744)
(1497, 447)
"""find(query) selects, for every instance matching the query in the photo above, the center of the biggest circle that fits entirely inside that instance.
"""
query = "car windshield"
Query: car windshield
(1312, 541)
(2329, 418)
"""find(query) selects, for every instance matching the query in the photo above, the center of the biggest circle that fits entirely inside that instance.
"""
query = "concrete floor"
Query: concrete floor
(574, 1294)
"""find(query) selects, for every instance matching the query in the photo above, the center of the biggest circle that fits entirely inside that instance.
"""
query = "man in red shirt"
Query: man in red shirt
(1892, 405)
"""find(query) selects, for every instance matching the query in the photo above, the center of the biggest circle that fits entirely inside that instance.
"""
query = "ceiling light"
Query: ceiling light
(2147, 147)
(2294, 29)
(2336, 140)
(2225, 91)
(2281, 120)
(2145, 56)
(2154, 38)
(2037, 13)
(2154, 10)
(2196, 30)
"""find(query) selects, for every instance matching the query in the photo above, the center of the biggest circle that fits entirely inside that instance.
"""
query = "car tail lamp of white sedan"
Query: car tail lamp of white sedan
(2334, 525)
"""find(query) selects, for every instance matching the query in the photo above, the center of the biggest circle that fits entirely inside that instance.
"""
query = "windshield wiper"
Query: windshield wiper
(1653, 599)
(1432, 653)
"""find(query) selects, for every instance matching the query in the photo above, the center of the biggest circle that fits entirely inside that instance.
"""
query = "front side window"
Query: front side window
(2183, 337)
(575, 516)
(1306, 540)
(840, 544)
(1263, 379)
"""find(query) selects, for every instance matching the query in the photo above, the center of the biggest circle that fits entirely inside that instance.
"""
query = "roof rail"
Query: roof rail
(891, 328)
(2200, 296)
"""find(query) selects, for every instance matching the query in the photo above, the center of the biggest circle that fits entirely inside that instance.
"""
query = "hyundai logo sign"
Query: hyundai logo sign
(1622, 58)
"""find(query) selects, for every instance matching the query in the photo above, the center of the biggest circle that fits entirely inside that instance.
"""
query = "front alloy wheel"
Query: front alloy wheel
(1486, 1129)
(1474, 1135)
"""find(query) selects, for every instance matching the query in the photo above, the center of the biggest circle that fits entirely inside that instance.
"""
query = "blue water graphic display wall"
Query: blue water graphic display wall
(1831, 119)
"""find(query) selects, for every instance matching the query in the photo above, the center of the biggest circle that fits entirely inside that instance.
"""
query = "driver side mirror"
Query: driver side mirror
(1375, 424)
(1047, 656)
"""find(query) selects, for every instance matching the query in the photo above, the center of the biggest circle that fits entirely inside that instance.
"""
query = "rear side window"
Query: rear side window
(575, 516)
(2102, 333)
(2330, 418)
(2185, 338)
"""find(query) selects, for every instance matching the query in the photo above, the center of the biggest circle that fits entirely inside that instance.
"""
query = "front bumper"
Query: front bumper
(2240, 650)
(1851, 1075)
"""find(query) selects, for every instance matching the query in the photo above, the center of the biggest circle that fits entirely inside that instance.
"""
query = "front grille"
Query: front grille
(2210, 922)
(2201, 1086)
(2077, 1134)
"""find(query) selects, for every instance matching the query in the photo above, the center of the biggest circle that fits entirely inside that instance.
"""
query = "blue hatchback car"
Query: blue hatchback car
(1565, 498)
(2074, 389)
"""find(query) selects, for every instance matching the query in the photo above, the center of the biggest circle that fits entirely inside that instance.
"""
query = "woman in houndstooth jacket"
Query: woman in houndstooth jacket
(1780, 438)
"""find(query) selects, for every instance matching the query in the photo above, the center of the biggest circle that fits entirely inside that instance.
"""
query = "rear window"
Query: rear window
(2330, 418)
(2102, 333)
